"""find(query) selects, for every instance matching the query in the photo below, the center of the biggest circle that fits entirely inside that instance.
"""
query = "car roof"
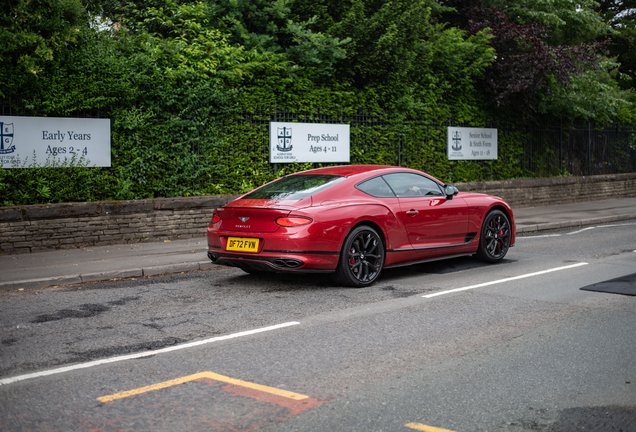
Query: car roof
(350, 170)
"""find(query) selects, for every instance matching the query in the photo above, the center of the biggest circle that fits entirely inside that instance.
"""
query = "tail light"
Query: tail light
(215, 218)
(293, 221)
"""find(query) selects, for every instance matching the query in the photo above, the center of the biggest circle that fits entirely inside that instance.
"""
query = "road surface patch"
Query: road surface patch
(203, 375)
(142, 354)
(625, 285)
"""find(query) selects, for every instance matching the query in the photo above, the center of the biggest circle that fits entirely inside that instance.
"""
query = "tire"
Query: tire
(361, 258)
(494, 241)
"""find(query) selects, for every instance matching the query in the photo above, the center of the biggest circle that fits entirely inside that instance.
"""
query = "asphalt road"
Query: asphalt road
(521, 350)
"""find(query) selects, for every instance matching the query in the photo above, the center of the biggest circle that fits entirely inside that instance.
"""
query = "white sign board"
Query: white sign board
(308, 142)
(471, 143)
(53, 139)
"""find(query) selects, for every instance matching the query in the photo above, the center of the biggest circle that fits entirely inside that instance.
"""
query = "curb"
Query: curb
(573, 223)
(104, 276)
(206, 265)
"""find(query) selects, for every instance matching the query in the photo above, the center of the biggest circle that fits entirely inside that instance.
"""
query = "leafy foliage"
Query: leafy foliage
(621, 17)
(190, 86)
(35, 32)
(526, 64)
(51, 182)
(591, 94)
(399, 55)
(571, 22)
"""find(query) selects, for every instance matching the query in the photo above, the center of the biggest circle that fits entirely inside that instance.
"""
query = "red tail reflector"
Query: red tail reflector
(293, 221)
(215, 218)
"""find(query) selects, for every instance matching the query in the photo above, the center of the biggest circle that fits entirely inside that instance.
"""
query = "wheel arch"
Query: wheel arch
(513, 226)
(502, 209)
(371, 224)
(365, 272)
(482, 253)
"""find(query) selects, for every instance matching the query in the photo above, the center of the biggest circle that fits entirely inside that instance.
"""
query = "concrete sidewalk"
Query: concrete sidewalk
(66, 267)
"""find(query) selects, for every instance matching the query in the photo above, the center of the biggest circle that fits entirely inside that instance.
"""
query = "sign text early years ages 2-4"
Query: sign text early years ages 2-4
(55, 140)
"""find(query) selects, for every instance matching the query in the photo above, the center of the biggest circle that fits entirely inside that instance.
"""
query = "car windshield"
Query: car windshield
(295, 187)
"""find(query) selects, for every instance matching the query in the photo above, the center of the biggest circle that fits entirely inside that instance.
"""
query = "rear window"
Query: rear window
(376, 187)
(295, 187)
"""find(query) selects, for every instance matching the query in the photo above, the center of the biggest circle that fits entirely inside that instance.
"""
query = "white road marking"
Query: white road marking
(143, 354)
(576, 232)
(615, 225)
(504, 280)
(580, 231)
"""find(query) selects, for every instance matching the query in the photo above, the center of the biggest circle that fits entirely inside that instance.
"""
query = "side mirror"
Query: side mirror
(450, 191)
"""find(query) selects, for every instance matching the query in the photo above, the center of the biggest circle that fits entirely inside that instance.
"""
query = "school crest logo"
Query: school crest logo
(284, 139)
(457, 141)
(6, 138)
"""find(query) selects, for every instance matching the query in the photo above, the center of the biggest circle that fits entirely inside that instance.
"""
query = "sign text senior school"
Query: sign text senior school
(471, 143)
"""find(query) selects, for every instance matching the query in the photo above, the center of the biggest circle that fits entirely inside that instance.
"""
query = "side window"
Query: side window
(412, 185)
(376, 187)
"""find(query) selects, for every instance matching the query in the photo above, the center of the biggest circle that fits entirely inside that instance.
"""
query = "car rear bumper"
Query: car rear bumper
(278, 264)
(301, 249)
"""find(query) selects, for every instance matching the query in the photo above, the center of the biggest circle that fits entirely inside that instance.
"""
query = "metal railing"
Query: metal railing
(545, 150)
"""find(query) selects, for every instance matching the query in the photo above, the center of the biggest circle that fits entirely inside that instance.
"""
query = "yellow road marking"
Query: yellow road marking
(210, 375)
(424, 428)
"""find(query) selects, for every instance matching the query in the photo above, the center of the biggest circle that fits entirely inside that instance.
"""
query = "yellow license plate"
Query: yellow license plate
(242, 244)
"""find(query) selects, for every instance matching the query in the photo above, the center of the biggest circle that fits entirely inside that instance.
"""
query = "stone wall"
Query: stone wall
(558, 190)
(37, 228)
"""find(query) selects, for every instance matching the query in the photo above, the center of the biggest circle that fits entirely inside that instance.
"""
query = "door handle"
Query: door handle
(412, 212)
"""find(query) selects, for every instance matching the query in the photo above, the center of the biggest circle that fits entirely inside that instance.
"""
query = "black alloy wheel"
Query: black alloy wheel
(495, 237)
(361, 259)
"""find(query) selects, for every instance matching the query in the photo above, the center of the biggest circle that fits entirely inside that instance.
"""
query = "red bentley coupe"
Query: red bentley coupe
(355, 220)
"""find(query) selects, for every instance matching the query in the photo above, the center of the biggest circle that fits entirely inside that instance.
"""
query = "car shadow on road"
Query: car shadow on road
(286, 281)
(311, 281)
(446, 266)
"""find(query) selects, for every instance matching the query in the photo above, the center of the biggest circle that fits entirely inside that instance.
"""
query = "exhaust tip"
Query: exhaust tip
(288, 263)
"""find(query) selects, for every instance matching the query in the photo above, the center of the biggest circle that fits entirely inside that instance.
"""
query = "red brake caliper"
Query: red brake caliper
(500, 233)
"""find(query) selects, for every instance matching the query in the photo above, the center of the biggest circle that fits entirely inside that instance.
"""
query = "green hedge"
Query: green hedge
(166, 156)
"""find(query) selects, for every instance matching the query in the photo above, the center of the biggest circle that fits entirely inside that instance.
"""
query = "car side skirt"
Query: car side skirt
(466, 243)
(439, 258)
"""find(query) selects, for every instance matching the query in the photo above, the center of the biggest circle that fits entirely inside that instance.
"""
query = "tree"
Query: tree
(35, 32)
(570, 22)
(398, 56)
(621, 16)
(543, 65)
(257, 26)
(590, 95)
(526, 64)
